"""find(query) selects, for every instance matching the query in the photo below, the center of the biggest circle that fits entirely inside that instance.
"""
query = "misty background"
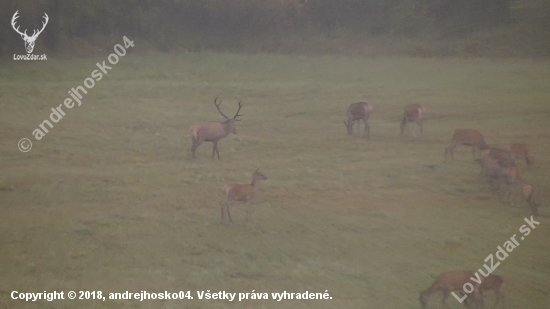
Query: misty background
(426, 28)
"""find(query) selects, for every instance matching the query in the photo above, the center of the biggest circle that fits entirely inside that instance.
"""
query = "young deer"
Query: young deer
(213, 131)
(467, 137)
(357, 112)
(241, 193)
(448, 282)
(413, 113)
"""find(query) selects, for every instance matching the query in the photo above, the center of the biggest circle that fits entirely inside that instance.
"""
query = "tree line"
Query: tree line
(215, 24)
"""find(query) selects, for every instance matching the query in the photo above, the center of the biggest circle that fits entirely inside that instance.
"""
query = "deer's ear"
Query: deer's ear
(23, 36)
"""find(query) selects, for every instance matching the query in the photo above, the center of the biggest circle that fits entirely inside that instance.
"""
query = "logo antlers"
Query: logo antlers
(29, 40)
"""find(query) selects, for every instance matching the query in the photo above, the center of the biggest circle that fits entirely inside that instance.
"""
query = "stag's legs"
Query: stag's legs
(534, 208)
(248, 209)
(194, 147)
(469, 301)
(215, 150)
(445, 299)
(419, 123)
(403, 125)
(449, 150)
(225, 206)
(500, 299)
(367, 128)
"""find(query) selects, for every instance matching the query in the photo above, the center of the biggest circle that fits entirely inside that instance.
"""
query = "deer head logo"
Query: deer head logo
(29, 40)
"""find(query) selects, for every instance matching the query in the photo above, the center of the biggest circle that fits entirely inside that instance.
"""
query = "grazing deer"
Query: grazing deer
(356, 112)
(504, 158)
(493, 283)
(521, 151)
(241, 193)
(413, 113)
(449, 282)
(467, 137)
(494, 171)
(214, 131)
(529, 195)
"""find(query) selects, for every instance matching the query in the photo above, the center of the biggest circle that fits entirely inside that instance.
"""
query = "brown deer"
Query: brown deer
(214, 131)
(467, 137)
(491, 169)
(521, 150)
(493, 283)
(413, 113)
(529, 196)
(357, 112)
(241, 193)
(448, 282)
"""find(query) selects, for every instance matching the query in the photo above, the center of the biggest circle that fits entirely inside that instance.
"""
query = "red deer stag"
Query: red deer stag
(413, 113)
(521, 151)
(357, 112)
(448, 282)
(493, 283)
(241, 193)
(467, 137)
(214, 131)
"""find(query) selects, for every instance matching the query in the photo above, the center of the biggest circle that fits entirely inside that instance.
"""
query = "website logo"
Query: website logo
(29, 40)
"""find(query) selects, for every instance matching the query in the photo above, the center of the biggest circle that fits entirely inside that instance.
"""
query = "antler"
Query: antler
(24, 34)
(238, 110)
(218, 107)
(44, 23)
(15, 16)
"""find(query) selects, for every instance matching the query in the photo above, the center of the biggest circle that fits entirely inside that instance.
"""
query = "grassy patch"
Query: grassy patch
(109, 200)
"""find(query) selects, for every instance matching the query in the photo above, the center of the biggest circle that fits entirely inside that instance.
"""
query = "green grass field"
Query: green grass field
(110, 201)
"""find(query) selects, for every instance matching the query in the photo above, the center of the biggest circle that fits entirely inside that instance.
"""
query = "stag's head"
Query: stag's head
(29, 40)
(231, 122)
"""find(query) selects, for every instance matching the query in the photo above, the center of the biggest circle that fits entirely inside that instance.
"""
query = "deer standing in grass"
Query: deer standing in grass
(214, 131)
(357, 112)
(448, 282)
(521, 150)
(241, 193)
(467, 137)
(494, 171)
(413, 113)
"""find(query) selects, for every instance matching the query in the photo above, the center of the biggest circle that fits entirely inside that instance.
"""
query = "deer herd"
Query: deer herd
(496, 164)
